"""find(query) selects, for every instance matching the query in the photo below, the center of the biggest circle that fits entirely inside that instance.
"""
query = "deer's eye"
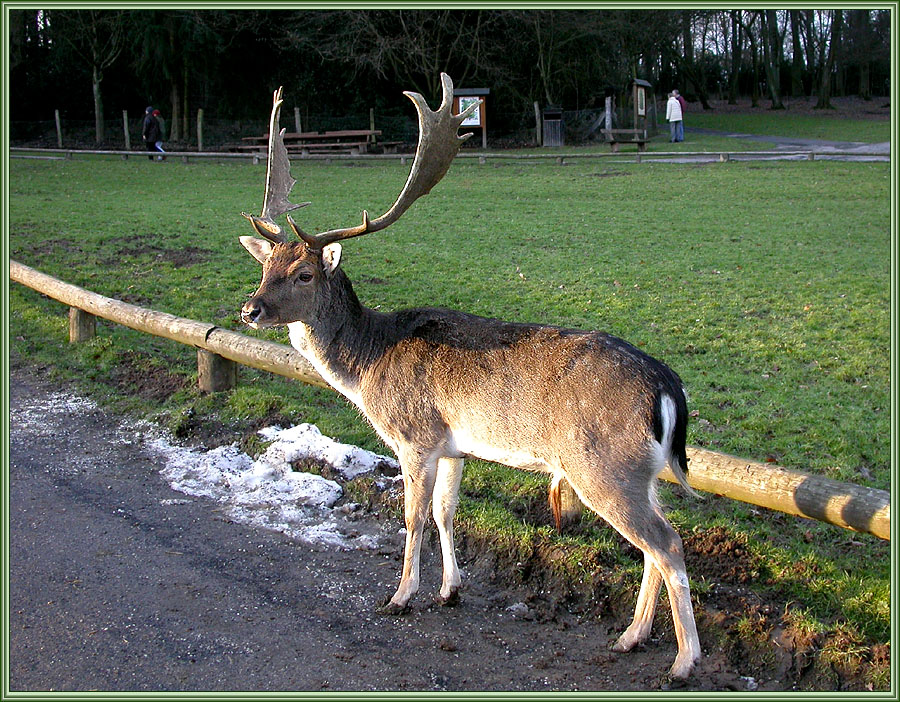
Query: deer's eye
(304, 277)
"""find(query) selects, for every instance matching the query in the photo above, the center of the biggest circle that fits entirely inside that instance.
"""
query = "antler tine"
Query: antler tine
(439, 141)
(278, 180)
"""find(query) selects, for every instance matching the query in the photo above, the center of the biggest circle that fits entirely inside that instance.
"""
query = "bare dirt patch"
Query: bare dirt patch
(179, 258)
(135, 376)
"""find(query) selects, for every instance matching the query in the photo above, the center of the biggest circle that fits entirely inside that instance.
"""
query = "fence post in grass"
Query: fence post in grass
(215, 373)
(200, 129)
(538, 126)
(127, 134)
(82, 325)
(297, 119)
(58, 129)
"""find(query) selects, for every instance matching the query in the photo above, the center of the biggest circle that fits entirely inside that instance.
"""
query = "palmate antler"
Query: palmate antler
(439, 141)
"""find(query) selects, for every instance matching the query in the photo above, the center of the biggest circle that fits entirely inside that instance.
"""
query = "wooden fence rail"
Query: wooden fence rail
(793, 492)
(558, 155)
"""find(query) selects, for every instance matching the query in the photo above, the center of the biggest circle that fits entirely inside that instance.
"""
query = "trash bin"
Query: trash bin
(553, 126)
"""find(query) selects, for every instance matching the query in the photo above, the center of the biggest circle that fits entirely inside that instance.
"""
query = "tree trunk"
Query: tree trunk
(812, 56)
(736, 48)
(797, 57)
(754, 63)
(185, 112)
(837, 52)
(824, 101)
(865, 88)
(175, 121)
(771, 57)
(96, 77)
(862, 51)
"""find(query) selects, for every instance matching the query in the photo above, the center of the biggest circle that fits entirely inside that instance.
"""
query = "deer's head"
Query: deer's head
(297, 269)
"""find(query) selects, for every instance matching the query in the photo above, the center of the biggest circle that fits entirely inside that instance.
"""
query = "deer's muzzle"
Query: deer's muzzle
(251, 313)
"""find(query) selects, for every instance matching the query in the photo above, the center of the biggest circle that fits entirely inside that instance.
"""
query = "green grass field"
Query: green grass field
(765, 285)
(786, 123)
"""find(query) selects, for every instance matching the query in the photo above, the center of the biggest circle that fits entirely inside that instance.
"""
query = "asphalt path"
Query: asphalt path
(844, 150)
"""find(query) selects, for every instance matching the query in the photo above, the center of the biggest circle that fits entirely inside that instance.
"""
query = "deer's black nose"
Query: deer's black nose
(251, 312)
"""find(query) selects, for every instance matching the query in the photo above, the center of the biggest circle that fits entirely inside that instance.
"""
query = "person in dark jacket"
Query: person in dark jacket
(152, 132)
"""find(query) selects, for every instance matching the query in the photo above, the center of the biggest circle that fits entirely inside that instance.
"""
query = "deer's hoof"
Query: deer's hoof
(450, 601)
(682, 668)
(392, 609)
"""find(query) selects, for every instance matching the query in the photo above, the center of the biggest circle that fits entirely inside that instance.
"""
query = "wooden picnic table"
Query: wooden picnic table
(349, 140)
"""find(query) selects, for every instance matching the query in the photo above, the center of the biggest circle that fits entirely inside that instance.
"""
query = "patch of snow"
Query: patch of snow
(306, 441)
(267, 492)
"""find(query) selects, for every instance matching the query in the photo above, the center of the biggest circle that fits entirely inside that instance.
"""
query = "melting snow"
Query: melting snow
(267, 492)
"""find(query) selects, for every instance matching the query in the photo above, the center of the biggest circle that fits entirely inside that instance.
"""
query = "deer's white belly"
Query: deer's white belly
(466, 442)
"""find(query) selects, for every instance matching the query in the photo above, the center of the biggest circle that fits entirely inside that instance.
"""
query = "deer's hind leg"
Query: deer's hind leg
(645, 609)
(625, 497)
(444, 502)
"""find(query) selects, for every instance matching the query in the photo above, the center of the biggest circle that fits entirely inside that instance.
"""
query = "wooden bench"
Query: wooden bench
(350, 147)
(259, 147)
(389, 147)
(625, 136)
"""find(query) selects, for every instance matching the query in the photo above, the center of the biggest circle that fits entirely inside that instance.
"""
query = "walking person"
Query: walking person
(674, 117)
(683, 103)
(151, 132)
(162, 133)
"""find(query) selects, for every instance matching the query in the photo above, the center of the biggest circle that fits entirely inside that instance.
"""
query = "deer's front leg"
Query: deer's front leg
(419, 472)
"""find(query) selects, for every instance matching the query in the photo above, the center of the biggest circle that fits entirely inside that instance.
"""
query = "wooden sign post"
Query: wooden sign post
(462, 98)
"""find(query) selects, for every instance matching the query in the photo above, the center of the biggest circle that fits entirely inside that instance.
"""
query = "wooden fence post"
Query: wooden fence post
(200, 129)
(58, 129)
(297, 119)
(82, 325)
(127, 132)
(214, 372)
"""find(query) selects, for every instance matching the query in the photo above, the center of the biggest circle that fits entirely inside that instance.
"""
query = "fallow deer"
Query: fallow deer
(440, 386)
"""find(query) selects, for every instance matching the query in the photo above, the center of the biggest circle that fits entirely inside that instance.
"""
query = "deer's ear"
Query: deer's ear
(331, 258)
(260, 249)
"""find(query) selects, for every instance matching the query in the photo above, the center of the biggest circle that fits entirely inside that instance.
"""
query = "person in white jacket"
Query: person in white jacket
(674, 117)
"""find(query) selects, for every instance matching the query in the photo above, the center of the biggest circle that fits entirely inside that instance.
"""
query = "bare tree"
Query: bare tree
(747, 23)
(408, 46)
(772, 42)
(796, 54)
(737, 48)
(552, 33)
(96, 39)
(828, 52)
(690, 67)
(860, 50)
